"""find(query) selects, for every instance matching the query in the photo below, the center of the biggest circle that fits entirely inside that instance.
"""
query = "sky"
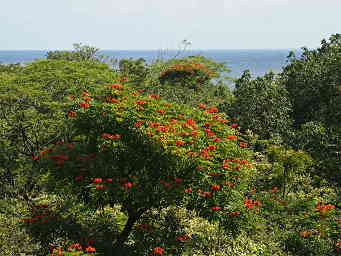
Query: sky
(163, 25)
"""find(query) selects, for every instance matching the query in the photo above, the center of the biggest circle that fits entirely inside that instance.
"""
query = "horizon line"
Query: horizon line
(208, 49)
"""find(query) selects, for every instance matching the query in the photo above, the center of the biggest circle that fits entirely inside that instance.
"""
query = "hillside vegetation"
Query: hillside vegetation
(163, 158)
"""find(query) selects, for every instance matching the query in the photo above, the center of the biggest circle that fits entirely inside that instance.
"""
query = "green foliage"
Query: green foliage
(89, 163)
(10, 68)
(143, 153)
(313, 83)
(261, 105)
(80, 53)
(215, 92)
(193, 71)
(32, 110)
(136, 70)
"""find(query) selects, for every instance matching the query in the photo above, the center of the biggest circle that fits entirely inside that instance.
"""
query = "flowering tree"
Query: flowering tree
(142, 153)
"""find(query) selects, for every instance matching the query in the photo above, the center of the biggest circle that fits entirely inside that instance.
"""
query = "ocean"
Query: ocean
(257, 61)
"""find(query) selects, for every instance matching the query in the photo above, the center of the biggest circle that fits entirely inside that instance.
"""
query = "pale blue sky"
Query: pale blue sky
(162, 24)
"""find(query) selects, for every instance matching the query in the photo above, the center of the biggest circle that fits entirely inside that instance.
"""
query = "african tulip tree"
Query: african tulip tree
(142, 152)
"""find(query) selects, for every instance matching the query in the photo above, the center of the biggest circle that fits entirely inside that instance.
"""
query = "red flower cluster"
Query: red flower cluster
(250, 203)
(155, 96)
(158, 250)
(84, 104)
(76, 246)
(180, 143)
(110, 136)
(243, 144)
(182, 238)
(161, 111)
(128, 185)
(71, 113)
(231, 137)
(212, 110)
(140, 102)
(215, 187)
(113, 100)
(234, 213)
(116, 86)
(138, 123)
(324, 208)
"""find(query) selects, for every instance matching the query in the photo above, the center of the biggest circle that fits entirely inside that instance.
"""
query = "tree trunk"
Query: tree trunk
(123, 236)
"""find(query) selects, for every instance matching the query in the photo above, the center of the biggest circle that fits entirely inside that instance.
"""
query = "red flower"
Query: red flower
(71, 113)
(180, 142)
(274, 189)
(154, 124)
(231, 137)
(188, 190)
(35, 157)
(216, 208)
(110, 136)
(116, 86)
(84, 105)
(234, 125)
(234, 213)
(155, 96)
(85, 94)
(212, 110)
(97, 180)
(124, 79)
(204, 153)
(138, 123)
(217, 139)
(90, 249)
(128, 185)
(161, 111)
(243, 144)
(76, 246)
(158, 250)
(215, 187)
(182, 238)
(87, 99)
(140, 102)
(212, 147)
(109, 179)
(110, 99)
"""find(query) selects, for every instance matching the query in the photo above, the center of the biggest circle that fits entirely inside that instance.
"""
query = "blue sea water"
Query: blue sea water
(257, 61)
